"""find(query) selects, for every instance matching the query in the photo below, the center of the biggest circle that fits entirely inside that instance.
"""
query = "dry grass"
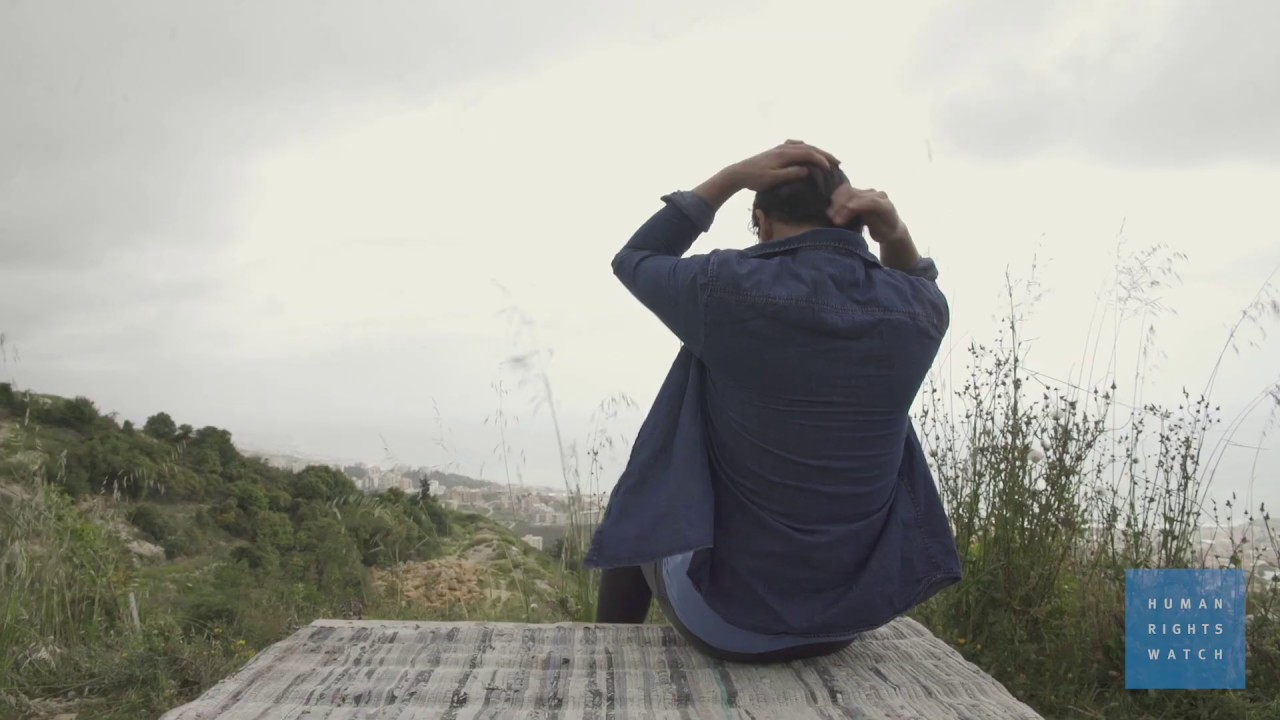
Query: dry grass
(1055, 487)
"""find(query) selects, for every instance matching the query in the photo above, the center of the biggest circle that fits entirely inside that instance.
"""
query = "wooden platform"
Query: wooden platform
(412, 671)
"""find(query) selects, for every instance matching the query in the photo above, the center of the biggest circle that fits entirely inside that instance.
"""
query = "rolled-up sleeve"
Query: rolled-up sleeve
(926, 269)
(931, 301)
(652, 267)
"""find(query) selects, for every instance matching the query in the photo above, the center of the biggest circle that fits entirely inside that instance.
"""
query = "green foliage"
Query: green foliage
(63, 578)
(78, 414)
(1052, 496)
(249, 497)
(151, 520)
(321, 484)
(160, 426)
(269, 550)
(179, 536)
(273, 531)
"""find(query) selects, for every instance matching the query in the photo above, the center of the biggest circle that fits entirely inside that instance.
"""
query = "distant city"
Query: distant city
(538, 515)
(1254, 546)
(542, 515)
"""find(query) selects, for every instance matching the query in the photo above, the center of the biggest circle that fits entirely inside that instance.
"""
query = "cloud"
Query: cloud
(1159, 84)
(132, 118)
(130, 127)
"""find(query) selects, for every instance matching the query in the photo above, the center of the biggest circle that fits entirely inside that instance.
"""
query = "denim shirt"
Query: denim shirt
(779, 449)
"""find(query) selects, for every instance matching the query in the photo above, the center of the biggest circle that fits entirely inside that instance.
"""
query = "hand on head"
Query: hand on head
(789, 161)
(793, 160)
(873, 206)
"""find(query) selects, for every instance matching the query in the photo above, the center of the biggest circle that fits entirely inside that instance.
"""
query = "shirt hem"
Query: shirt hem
(593, 562)
(930, 586)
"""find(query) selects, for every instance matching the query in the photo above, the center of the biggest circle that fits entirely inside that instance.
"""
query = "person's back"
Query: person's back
(807, 393)
(779, 462)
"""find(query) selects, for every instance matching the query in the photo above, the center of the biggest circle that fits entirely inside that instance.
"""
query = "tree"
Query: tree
(317, 482)
(116, 467)
(217, 440)
(160, 426)
(382, 537)
(328, 557)
(436, 514)
(78, 414)
(273, 530)
(249, 496)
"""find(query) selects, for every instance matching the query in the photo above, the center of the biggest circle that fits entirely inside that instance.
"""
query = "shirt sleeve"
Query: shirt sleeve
(931, 301)
(926, 269)
(652, 267)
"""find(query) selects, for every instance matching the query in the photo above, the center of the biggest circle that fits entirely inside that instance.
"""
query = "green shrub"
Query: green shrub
(150, 520)
(1052, 495)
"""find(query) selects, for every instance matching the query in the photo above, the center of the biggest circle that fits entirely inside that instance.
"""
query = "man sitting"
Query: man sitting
(777, 501)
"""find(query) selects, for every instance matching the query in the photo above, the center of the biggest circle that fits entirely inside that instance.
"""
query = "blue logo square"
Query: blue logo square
(1184, 629)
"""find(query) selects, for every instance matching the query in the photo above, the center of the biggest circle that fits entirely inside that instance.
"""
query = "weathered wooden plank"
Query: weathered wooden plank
(342, 670)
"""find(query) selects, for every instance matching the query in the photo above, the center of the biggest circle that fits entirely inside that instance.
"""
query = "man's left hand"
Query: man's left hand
(873, 206)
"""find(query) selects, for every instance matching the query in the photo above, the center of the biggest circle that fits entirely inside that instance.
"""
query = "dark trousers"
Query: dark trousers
(626, 594)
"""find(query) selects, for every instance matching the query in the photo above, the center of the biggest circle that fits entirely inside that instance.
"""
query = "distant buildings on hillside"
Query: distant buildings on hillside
(373, 479)
(529, 509)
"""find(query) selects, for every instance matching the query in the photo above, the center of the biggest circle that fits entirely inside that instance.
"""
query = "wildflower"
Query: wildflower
(1035, 455)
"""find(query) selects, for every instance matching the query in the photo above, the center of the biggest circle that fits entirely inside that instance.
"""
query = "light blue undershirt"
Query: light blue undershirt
(694, 613)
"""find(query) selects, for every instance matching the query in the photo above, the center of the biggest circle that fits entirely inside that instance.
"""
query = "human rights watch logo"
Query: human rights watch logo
(1184, 629)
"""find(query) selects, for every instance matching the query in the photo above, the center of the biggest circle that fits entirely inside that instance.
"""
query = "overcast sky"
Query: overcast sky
(303, 221)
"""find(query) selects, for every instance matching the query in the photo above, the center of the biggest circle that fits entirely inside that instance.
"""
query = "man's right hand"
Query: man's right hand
(777, 165)
(788, 161)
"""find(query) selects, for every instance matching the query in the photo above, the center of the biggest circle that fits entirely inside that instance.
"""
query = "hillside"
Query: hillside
(140, 565)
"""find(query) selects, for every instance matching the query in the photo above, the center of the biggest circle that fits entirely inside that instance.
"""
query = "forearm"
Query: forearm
(672, 230)
(718, 188)
(898, 251)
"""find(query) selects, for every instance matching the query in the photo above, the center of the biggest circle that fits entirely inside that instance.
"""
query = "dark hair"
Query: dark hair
(805, 201)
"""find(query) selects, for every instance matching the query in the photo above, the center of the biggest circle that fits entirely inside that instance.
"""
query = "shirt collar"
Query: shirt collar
(844, 241)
